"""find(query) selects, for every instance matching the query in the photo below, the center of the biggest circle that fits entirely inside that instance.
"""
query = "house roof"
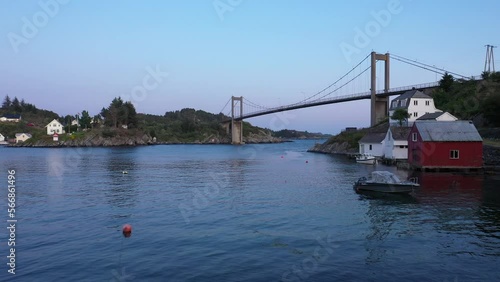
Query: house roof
(373, 137)
(431, 116)
(408, 95)
(12, 116)
(443, 131)
(52, 122)
(19, 134)
(413, 94)
(400, 133)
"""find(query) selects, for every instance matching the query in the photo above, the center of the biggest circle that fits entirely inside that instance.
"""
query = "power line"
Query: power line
(427, 67)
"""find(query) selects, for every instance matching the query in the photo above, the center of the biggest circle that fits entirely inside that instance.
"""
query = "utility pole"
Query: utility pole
(489, 61)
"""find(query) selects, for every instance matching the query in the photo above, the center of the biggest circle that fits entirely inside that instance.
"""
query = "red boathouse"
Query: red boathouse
(445, 144)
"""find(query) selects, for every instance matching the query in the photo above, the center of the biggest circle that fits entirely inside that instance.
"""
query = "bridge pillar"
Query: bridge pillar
(236, 125)
(379, 105)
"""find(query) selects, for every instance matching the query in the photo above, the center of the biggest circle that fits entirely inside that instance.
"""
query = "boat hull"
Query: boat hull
(366, 161)
(383, 188)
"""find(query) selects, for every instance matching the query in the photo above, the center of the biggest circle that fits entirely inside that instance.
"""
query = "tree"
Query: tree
(97, 119)
(85, 120)
(400, 115)
(16, 105)
(111, 114)
(485, 75)
(446, 82)
(490, 106)
(131, 121)
(119, 113)
(6, 103)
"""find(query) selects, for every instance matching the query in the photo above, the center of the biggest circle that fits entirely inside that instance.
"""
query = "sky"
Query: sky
(74, 55)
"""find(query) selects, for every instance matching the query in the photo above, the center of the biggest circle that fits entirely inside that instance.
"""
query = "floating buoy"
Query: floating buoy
(127, 230)
(307, 162)
(125, 172)
(281, 156)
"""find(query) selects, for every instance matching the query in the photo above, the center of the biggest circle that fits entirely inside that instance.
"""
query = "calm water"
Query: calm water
(250, 213)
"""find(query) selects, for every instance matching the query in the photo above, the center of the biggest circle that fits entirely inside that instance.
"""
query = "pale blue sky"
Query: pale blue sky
(84, 53)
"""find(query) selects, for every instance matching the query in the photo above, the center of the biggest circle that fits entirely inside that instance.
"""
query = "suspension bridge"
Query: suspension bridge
(333, 93)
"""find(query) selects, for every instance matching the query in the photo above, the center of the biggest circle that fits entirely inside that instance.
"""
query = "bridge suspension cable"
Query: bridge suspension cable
(255, 105)
(341, 86)
(222, 111)
(424, 66)
(333, 84)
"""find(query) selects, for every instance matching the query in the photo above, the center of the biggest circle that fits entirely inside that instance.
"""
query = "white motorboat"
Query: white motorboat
(386, 182)
(366, 159)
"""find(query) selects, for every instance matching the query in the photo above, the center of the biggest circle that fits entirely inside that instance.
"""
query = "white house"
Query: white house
(21, 137)
(416, 103)
(372, 143)
(10, 117)
(396, 143)
(439, 116)
(54, 127)
(2, 138)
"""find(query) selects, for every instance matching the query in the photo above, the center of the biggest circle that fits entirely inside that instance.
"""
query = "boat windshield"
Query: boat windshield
(384, 177)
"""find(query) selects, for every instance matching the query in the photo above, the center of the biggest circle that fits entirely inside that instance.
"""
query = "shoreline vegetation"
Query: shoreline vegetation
(120, 125)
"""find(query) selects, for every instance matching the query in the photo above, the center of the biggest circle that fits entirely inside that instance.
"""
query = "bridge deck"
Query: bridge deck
(340, 99)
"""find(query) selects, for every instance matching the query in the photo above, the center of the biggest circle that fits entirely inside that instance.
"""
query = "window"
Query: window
(403, 103)
(415, 114)
(414, 137)
(427, 103)
(415, 102)
(370, 147)
(403, 146)
(454, 154)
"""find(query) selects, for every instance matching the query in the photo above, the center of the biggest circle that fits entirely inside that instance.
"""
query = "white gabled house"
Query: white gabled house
(396, 143)
(21, 137)
(416, 103)
(2, 138)
(54, 127)
(372, 144)
(439, 116)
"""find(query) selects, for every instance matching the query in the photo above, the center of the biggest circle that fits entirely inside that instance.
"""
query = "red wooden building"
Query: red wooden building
(445, 144)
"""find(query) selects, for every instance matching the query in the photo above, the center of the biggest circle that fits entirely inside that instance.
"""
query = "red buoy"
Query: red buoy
(127, 230)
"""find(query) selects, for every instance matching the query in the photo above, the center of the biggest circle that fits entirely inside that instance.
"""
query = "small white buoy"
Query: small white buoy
(125, 172)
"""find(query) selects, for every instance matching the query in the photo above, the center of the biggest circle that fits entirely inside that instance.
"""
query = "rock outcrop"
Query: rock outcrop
(333, 148)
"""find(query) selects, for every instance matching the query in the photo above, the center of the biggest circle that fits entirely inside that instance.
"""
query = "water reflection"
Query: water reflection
(389, 216)
(121, 188)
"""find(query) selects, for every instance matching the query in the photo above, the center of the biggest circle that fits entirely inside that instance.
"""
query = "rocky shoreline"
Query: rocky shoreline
(96, 140)
(333, 148)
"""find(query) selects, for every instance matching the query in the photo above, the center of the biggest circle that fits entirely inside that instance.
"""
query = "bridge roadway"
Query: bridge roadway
(341, 99)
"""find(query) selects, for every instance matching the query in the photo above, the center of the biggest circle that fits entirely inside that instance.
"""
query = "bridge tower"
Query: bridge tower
(236, 125)
(379, 105)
